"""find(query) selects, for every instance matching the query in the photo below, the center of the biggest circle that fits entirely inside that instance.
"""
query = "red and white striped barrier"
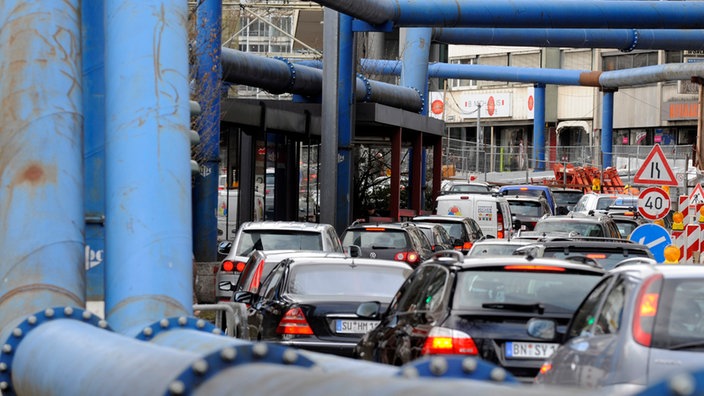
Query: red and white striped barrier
(692, 243)
(678, 238)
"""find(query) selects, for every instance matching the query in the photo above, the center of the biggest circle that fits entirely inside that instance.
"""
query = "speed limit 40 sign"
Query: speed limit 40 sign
(653, 203)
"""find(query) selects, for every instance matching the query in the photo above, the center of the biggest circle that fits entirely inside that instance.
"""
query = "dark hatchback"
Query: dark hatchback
(389, 241)
(310, 303)
(528, 210)
(490, 307)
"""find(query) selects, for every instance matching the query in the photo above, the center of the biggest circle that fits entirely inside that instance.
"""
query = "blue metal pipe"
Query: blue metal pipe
(607, 128)
(415, 53)
(345, 123)
(41, 151)
(280, 75)
(208, 78)
(93, 36)
(539, 128)
(623, 39)
(527, 13)
(651, 74)
(148, 178)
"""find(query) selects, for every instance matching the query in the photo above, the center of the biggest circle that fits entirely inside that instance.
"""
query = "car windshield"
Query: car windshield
(606, 258)
(377, 238)
(561, 226)
(278, 240)
(567, 198)
(680, 315)
(556, 291)
(339, 279)
(526, 208)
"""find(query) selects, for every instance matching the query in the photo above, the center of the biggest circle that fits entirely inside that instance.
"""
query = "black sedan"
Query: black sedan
(490, 307)
(310, 303)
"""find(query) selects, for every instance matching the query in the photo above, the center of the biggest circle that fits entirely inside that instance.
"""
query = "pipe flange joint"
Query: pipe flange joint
(292, 73)
(181, 322)
(634, 41)
(31, 322)
(206, 367)
(422, 99)
(456, 367)
(367, 87)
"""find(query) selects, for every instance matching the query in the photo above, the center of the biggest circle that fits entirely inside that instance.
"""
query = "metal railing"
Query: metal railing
(235, 320)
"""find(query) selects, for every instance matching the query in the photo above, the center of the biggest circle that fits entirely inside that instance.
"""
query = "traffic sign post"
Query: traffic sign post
(696, 197)
(655, 237)
(653, 203)
(655, 170)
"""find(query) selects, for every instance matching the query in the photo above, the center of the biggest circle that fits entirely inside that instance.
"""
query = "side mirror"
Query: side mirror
(244, 297)
(542, 328)
(226, 286)
(517, 224)
(224, 247)
(369, 310)
(354, 251)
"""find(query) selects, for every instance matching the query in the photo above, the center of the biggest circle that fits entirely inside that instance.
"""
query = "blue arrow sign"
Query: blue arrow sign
(655, 237)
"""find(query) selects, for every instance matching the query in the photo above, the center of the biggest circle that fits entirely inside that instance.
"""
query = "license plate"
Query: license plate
(529, 350)
(354, 326)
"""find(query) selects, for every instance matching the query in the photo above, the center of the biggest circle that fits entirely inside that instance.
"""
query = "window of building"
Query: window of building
(629, 60)
(529, 59)
(492, 60)
(576, 60)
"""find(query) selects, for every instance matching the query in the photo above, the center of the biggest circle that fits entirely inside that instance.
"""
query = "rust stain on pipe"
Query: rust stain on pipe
(590, 79)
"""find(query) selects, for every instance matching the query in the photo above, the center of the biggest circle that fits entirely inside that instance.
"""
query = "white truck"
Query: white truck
(491, 212)
(227, 212)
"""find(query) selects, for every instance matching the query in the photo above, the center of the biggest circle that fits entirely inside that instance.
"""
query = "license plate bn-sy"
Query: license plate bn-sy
(529, 350)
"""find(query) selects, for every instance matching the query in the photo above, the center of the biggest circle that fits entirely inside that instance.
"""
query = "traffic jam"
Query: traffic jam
(557, 286)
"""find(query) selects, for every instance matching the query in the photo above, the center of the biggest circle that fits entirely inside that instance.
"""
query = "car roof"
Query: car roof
(351, 261)
(451, 258)
(679, 271)
(284, 225)
(391, 226)
(270, 255)
(445, 218)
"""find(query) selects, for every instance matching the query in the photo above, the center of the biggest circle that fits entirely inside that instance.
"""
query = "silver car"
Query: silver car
(640, 324)
(272, 235)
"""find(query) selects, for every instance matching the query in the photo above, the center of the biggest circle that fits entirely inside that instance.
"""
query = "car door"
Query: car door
(572, 362)
(265, 312)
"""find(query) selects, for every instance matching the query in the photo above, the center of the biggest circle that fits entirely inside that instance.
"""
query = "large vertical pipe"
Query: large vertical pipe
(329, 118)
(415, 53)
(345, 121)
(94, 148)
(41, 151)
(607, 127)
(208, 80)
(148, 175)
(539, 128)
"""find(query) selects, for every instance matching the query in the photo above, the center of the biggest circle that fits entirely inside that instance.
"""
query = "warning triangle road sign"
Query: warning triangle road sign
(697, 195)
(655, 170)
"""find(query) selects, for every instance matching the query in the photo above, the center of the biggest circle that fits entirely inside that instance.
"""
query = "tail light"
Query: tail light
(545, 368)
(294, 322)
(232, 266)
(467, 245)
(646, 309)
(500, 225)
(522, 267)
(443, 341)
(409, 257)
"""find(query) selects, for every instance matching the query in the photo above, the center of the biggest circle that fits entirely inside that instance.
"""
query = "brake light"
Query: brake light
(229, 266)
(375, 229)
(500, 225)
(547, 366)
(646, 309)
(467, 246)
(409, 257)
(596, 256)
(294, 322)
(523, 189)
(533, 268)
(443, 341)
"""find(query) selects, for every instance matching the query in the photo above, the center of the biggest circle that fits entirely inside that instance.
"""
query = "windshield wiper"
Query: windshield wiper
(687, 345)
(533, 307)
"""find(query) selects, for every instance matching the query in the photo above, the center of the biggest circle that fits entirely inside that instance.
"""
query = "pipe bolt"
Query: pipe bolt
(3, 367)
(164, 323)
(4, 385)
(410, 372)
(682, 384)
(469, 365)
(200, 367)
(228, 354)
(17, 332)
(260, 350)
(177, 388)
(290, 356)
(86, 315)
(438, 366)
(148, 331)
(182, 321)
(498, 374)
(7, 349)
(32, 320)
(49, 312)
(217, 331)
(200, 323)
(103, 324)
(68, 311)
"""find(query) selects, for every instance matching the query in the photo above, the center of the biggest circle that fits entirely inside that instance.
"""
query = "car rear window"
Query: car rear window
(590, 229)
(493, 249)
(463, 188)
(278, 240)
(526, 208)
(567, 197)
(680, 314)
(343, 280)
(559, 292)
(607, 258)
(382, 238)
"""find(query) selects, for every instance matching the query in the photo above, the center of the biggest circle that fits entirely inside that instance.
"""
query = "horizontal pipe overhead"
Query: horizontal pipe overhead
(622, 39)
(526, 13)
